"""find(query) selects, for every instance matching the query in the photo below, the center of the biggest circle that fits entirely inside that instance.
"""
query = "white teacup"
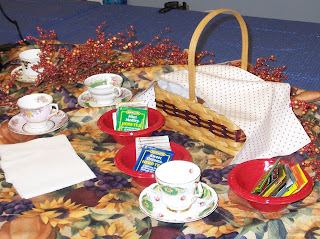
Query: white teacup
(104, 88)
(37, 109)
(180, 184)
(28, 59)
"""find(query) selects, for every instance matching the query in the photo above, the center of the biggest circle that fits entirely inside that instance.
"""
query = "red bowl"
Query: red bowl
(244, 176)
(105, 123)
(125, 160)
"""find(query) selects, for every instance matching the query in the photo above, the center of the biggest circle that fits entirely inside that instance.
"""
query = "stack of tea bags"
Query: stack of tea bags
(151, 152)
(280, 181)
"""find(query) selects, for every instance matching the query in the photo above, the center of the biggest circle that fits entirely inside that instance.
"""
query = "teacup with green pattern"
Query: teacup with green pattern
(105, 87)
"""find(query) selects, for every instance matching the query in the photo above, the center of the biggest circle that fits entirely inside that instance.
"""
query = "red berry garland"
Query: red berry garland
(312, 150)
(315, 166)
(303, 106)
(263, 70)
(112, 53)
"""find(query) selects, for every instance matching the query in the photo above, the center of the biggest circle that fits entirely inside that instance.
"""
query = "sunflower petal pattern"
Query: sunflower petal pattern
(110, 208)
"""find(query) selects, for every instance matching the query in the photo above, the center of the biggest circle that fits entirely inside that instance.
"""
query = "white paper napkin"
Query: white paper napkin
(261, 109)
(43, 165)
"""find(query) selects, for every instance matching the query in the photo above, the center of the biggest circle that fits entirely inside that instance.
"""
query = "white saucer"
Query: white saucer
(21, 77)
(27, 128)
(18, 124)
(150, 203)
(87, 101)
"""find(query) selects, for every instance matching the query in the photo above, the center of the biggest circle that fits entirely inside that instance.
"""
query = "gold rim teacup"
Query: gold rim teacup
(37, 109)
(28, 59)
(104, 88)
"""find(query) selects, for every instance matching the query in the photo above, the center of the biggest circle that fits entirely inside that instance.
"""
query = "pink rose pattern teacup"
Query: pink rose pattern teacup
(37, 109)
(180, 184)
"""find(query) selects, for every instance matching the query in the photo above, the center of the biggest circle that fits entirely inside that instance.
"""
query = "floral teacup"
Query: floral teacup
(104, 88)
(180, 184)
(37, 109)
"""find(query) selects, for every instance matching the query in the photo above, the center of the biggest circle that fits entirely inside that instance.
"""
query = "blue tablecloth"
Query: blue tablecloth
(294, 44)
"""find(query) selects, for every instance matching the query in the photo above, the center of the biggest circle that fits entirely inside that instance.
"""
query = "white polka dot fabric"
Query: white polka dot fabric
(147, 96)
(261, 109)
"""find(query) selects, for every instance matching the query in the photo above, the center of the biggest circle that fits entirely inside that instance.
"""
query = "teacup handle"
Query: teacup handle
(55, 110)
(199, 190)
(118, 92)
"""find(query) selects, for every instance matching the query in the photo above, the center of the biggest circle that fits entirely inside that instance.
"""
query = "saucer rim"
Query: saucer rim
(144, 192)
(20, 76)
(23, 127)
(87, 104)
(54, 128)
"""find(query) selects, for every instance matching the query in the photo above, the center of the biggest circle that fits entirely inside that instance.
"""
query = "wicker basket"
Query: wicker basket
(192, 118)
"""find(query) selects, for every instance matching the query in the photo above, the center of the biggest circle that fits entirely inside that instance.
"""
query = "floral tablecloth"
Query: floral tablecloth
(108, 206)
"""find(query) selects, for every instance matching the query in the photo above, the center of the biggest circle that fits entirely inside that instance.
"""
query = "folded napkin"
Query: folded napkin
(43, 165)
(261, 109)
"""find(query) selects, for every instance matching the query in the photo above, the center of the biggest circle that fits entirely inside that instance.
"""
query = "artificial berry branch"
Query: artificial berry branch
(265, 71)
(112, 53)
(311, 149)
(303, 106)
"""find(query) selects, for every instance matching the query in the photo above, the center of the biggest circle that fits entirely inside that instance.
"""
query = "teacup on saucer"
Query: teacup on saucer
(18, 124)
(37, 109)
(151, 204)
(180, 184)
(87, 101)
(104, 88)
(19, 76)
(29, 58)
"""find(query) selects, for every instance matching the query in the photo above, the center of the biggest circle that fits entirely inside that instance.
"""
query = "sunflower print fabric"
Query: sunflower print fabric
(108, 206)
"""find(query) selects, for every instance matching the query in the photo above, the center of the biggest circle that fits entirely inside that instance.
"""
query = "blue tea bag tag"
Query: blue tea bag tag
(151, 158)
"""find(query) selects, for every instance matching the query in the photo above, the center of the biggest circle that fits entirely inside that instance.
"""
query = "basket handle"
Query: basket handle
(194, 41)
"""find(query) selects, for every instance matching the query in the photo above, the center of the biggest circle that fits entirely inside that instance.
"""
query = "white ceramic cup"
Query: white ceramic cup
(37, 109)
(180, 184)
(28, 59)
(104, 88)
